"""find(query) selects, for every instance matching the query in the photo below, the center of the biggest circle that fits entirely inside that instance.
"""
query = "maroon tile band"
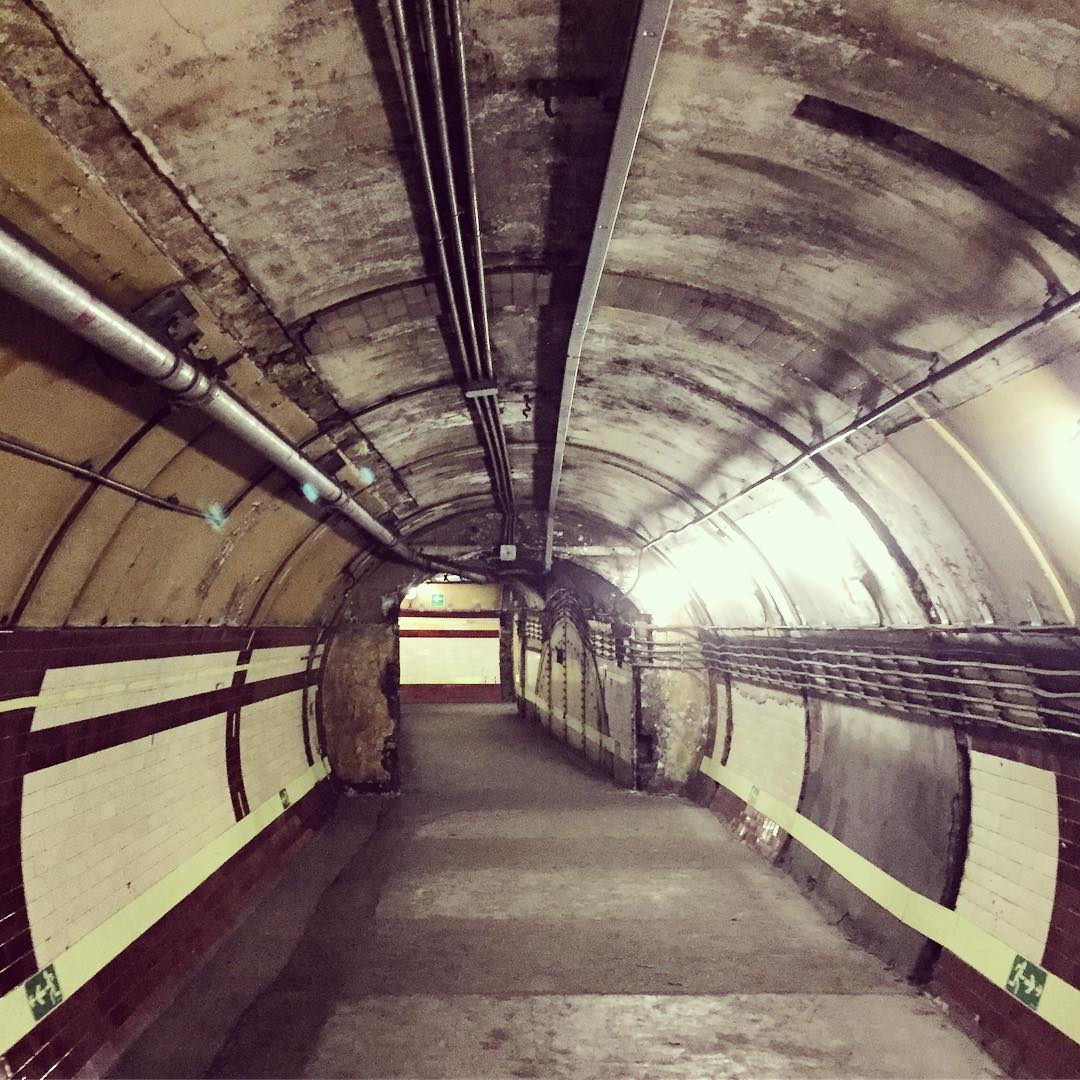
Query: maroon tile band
(234, 770)
(17, 962)
(405, 613)
(54, 746)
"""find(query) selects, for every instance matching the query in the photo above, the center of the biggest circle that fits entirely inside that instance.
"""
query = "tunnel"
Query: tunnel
(541, 539)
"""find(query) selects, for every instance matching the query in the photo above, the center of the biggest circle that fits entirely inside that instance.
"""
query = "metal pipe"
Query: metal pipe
(648, 37)
(441, 126)
(43, 457)
(495, 437)
(458, 40)
(29, 277)
(412, 94)
(1046, 315)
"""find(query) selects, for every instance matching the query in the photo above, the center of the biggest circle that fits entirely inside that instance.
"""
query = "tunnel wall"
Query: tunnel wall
(893, 791)
(153, 780)
(675, 717)
(587, 701)
(986, 827)
(450, 643)
(983, 827)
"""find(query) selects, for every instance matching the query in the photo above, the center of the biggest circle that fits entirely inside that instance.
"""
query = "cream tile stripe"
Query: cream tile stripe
(991, 958)
(82, 961)
(256, 670)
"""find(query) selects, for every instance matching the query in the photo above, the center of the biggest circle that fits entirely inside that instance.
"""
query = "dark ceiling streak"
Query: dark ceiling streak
(911, 575)
(668, 484)
(932, 155)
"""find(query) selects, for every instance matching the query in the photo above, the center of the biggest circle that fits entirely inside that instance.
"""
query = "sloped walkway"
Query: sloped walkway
(512, 915)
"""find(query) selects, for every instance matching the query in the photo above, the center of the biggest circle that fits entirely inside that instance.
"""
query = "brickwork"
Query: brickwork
(1020, 1040)
(768, 747)
(89, 1031)
(1022, 883)
(1011, 867)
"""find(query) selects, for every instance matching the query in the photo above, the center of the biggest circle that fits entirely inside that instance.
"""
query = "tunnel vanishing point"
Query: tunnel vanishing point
(540, 538)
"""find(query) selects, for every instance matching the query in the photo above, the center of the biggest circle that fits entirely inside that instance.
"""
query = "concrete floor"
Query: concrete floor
(512, 915)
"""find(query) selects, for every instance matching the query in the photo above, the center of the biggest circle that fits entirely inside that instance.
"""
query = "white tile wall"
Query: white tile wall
(532, 672)
(449, 661)
(1011, 869)
(80, 693)
(100, 830)
(618, 683)
(271, 745)
(278, 661)
(768, 740)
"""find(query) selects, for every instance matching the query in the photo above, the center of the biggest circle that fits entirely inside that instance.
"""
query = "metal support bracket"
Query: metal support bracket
(169, 318)
(482, 388)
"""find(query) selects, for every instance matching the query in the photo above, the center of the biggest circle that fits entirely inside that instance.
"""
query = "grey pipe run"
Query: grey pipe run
(475, 347)
(487, 365)
(412, 95)
(32, 279)
(458, 42)
(495, 435)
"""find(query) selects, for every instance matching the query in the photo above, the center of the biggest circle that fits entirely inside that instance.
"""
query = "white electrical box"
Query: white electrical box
(507, 552)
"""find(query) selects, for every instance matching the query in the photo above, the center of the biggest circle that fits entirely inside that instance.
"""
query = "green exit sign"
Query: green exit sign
(43, 992)
(438, 599)
(1026, 982)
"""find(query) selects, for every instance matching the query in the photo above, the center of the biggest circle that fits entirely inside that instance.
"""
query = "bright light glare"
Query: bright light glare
(661, 591)
(706, 565)
(792, 537)
(698, 559)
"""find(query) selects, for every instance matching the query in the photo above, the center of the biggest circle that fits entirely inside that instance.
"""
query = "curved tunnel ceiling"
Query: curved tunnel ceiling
(824, 206)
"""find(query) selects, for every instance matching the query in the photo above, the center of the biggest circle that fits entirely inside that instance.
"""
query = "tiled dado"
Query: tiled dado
(126, 754)
(1019, 889)
(1022, 883)
(87, 1033)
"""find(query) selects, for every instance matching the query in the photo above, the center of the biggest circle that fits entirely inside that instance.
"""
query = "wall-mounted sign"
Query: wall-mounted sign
(43, 992)
(438, 599)
(1026, 982)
